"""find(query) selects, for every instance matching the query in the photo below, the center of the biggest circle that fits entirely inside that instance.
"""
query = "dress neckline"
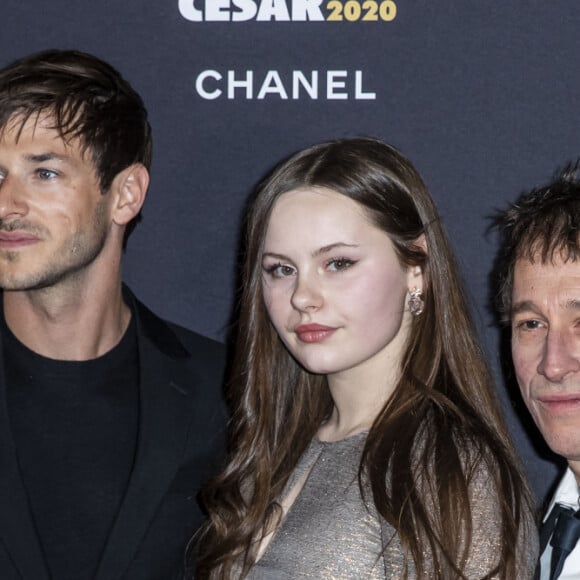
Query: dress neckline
(355, 436)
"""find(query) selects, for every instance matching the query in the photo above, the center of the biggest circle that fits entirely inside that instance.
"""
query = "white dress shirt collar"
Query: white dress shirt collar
(567, 494)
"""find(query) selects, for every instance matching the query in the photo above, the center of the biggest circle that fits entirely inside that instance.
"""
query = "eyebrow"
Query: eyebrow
(330, 247)
(523, 306)
(316, 253)
(529, 306)
(43, 157)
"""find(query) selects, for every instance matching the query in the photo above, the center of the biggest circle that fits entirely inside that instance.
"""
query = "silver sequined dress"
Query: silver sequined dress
(328, 532)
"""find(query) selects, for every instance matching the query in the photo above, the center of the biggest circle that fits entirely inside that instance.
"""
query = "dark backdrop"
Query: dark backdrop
(482, 96)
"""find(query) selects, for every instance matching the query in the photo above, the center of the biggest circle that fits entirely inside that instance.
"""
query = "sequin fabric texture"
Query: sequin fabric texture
(330, 534)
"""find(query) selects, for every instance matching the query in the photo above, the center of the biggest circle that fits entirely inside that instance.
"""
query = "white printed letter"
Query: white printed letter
(358, 92)
(247, 10)
(217, 10)
(214, 74)
(189, 11)
(272, 84)
(332, 83)
(273, 8)
(306, 10)
(298, 78)
(233, 84)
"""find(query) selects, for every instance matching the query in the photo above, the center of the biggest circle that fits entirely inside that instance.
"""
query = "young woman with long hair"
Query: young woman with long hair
(366, 440)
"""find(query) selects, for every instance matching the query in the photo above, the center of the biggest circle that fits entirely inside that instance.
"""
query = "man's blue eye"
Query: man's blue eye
(46, 174)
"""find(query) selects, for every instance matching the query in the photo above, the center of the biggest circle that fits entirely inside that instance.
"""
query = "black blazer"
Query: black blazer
(180, 443)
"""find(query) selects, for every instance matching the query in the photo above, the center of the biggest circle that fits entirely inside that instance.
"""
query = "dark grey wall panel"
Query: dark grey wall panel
(483, 97)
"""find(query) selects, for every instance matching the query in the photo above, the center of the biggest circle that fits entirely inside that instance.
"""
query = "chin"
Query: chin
(320, 368)
(305, 363)
(312, 369)
(569, 448)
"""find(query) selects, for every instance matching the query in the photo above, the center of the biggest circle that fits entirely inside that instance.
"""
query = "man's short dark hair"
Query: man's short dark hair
(85, 98)
(542, 225)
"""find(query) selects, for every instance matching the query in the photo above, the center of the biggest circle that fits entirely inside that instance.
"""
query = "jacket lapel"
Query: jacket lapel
(165, 414)
(16, 526)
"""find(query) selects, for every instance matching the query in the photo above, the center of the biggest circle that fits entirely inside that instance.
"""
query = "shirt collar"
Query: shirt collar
(567, 492)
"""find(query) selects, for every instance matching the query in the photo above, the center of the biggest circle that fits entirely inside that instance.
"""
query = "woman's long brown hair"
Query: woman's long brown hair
(442, 422)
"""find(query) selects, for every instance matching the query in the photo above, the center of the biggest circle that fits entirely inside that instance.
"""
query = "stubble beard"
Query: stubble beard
(69, 263)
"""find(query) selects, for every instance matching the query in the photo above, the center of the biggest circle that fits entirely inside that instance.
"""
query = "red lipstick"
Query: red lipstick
(313, 332)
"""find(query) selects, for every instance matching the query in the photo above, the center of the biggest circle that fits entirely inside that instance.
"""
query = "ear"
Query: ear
(128, 190)
(415, 277)
(415, 273)
(421, 243)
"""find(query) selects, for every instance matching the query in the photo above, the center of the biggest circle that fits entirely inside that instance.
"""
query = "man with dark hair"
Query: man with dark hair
(110, 418)
(540, 297)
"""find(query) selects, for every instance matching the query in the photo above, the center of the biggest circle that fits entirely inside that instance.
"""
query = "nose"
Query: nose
(560, 358)
(307, 295)
(12, 200)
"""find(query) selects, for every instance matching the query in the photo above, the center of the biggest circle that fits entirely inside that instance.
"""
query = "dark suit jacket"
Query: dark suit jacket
(179, 444)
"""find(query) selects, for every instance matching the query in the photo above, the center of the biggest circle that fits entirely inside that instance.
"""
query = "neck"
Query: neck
(357, 402)
(575, 467)
(360, 392)
(74, 320)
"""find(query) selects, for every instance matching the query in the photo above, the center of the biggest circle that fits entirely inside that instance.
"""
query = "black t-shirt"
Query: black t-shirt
(75, 429)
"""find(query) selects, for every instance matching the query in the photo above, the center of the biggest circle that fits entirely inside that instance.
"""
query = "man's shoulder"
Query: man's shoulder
(195, 342)
(200, 361)
(175, 339)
